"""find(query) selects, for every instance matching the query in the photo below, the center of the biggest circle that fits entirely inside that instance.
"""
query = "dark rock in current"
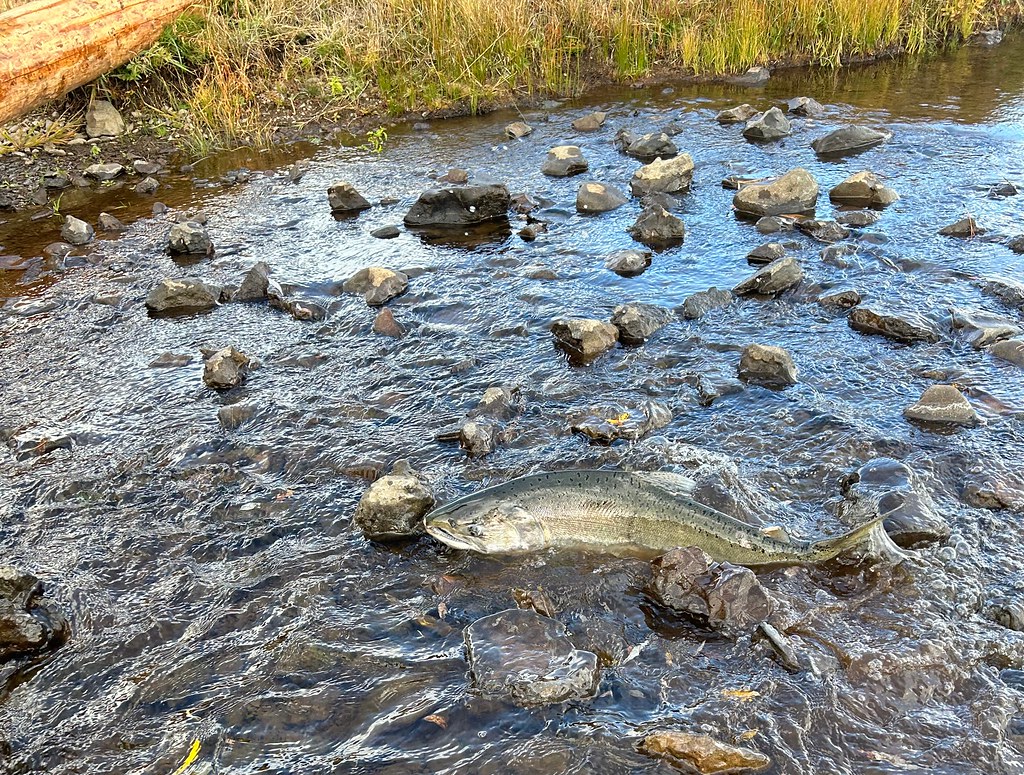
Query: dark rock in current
(343, 198)
(894, 491)
(254, 284)
(778, 276)
(1016, 244)
(773, 224)
(985, 38)
(907, 327)
(628, 263)
(385, 324)
(189, 238)
(652, 146)
(768, 126)
(841, 255)
(765, 254)
(965, 228)
(478, 437)
(608, 423)
(386, 232)
(984, 328)
(1007, 612)
(736, 182)
(658, 228)
(590, 123)
(462, 206)
(518, 130)
(584, 339)
(6, 203)
(392, 508)
(942, 404)
(840, 299)
(805, 106)
(794, 192)
(625, 138)
(1003, 190)
(37, 442)
(455, 176)
(778, 645)
(182, 296)
(55, 180)
(498, 402)
(1009, 350)
(529, 659)
(702, 754)
(234, 416)
(863, 189)
(663, 176)
(227, 368)
(858, 219)
(377, 284)
(29, 624)
(170, 361)
(563, 161)
(76, 231)
(737, 115)
(823, 231)
(596, 197)
(986, 489)
(849, 140)
(636, 322)
(1010, 292)
(767, 366)
(535, 600)
(698, 304)
(107, 222)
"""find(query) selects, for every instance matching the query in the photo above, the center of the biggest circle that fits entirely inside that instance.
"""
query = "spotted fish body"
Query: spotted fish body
(619, 512)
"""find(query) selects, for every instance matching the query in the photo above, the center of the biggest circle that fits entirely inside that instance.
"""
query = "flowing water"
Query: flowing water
(216, 585)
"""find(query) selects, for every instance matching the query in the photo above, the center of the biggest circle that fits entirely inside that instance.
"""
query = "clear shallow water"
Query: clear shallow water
(218, 590)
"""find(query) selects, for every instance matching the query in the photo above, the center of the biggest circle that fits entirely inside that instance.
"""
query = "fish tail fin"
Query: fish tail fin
(869, 539)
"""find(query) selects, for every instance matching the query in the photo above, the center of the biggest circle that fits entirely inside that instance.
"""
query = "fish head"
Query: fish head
(486, 527)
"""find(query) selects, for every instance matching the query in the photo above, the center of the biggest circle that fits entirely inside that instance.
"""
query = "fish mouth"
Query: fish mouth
(441, 530)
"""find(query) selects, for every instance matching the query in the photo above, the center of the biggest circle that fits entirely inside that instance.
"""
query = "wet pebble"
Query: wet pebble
(652, 146)
(385, 324)
(942, 404)
(583, 338)
(765, 254)
(768, 126)
(386, 232)
(863, 189)
(698, 304)
(858, 219)
(254, 284)
(767, 366)
(840, 299)
(29, 623)
(805, 106)
(664, 176)
(147, 186)
(189, 238)
(896, 492)
(518, 130)
(392, 508)
(607, 423)
(739, 114)
(182, 296)
(636, 322)
(794, 192)
(226, 368)
(109, 223)
(964, 228)
(778, 276)
(1009, 350)
(104, 172)
(460, 206)
(982, 329)
(563, 161)
(478, 437)
(901, 326)
(590, 123)
(657, 228)
(772, 224)
(823, 231)
(703, 754)
(76, 231)
(849, 140)
(343, 198)
(234, 416)
(377, 284)
(594, 197)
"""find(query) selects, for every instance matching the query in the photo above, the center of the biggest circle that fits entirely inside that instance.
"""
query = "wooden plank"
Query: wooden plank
(49, 47)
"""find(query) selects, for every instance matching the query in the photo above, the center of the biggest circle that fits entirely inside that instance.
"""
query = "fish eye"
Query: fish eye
(475, 531)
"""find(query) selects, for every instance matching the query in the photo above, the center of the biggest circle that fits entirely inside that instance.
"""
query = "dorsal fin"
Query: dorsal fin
(777, 532)
(669, 481)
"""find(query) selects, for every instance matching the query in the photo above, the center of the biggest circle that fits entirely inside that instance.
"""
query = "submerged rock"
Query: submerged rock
(663, 176)
(763, 255)
(608, 423)
(28, 623)
(768, 126)
(182, 296)
(907, 327)
(965, 227)
(987, 489)
(849, 140)
(628, 263)
(772, 224)
(590, 123)
(391, 231)
(737, 115)
(657, 228)
(636, 322)
(1009, 350)
(108, 222)
(651, 146)
(233, 416)
(377, 284)
(343, 198)
(858, 219)
(584, 339)
(385, 324)
(392, 508)
(984, 328)
(768, 366)
(227, 368)
(462, 206)
(478, 437)
(1009, 292)
(823, 231)
(76, 231)
(518, 130)
(840, 299)
(528, 658)
(703, 754)
(942, 404)
(794, 192)
(596, 197)
(698, 304)
(778, 276)
(563, 161)
(189, 238)
(254, 284)
(805, 106)
(863, 189)
(894, 491)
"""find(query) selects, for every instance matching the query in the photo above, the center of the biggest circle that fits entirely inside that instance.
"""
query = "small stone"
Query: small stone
(765, 254)
(965, 227)
(755, 76)
(57, 251)
(563, 161)
(107, 222)
(652, 146)
(147, 186)
(842, 256)
(386, 232)
(343, 198)
(189, 238)
(234, 416)
(460, 206)
(598, 198)
(103, 120)
(1016, 244)
(498, 402)
(703, 753)
(778, 276)
(392, 508)
(1007, 612)
(701, 303)
(664, 176)
(226, 369)
(182, 296)
(737, 115)
(773, 224)
(535, 600)
(590, 123)
(863, 189)
(985, 38)
(794, 192)
(385, 324)
(628, 263)
(517, 130)
(377, 284)
(1003, 190)
(768, 126)
(805, 106)
(858, 218)
(455, 176)
(1010, 292)
(822, 231)
(76, 231)
(736, 182)
(254, 284)
(103, 172)
(56, 181)
(1010, 350)
(841, 299)
(608, 423)
(636, 322)
(984, 328)
(143, 167)
(658, 228)
(849, 140)
(768, 366)
(170, 361)
(905, 327)
(583, 338)
(942, 404)
(478, 438)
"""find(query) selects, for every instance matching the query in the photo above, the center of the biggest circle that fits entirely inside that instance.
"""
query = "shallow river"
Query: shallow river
(217, 587)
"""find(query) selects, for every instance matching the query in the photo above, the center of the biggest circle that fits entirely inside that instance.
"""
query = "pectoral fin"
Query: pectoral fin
(674, 484)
